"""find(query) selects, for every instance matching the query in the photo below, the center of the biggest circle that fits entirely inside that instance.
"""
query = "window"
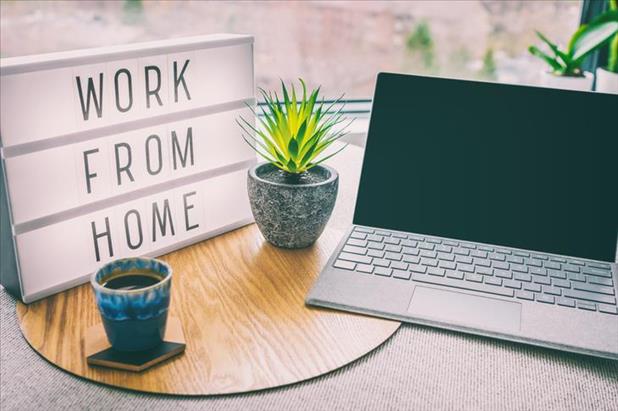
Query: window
(340, 45)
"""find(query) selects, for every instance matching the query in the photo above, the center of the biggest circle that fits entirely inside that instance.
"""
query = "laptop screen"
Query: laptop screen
(518, 166)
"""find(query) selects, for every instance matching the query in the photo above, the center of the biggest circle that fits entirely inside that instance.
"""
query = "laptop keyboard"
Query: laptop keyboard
(498, 271)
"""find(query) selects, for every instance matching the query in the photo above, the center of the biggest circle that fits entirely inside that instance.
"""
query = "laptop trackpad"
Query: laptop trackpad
(465, 309)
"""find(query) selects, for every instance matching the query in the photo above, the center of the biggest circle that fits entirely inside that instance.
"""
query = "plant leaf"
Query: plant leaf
(590, 37)
(549, 60)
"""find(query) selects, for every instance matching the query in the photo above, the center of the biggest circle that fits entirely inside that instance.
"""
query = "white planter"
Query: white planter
(567, 83)
(607, 82)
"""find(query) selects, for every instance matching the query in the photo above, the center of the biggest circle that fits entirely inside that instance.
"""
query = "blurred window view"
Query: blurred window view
(340, 45)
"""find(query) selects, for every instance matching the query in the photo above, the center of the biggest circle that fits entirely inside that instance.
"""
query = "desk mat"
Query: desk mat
(241, 304)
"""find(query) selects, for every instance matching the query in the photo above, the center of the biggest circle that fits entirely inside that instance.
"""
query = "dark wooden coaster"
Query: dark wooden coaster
(100, 353)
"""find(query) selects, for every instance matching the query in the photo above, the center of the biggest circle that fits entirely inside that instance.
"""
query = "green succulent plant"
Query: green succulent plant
(588, 38)
(294, 133)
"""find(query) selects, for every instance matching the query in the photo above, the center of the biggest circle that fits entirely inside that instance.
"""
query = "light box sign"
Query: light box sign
(121, 151)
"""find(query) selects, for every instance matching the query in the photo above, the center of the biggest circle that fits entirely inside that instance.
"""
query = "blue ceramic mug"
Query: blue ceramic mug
(133, 296)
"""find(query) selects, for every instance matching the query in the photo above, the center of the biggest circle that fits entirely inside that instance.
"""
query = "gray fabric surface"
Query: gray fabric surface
(418, 368)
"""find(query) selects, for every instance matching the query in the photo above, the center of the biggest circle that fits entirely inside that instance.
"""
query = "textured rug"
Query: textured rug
(418, 368)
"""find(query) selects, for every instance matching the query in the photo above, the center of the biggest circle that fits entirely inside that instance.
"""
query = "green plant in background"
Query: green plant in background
(294, 133)
(133, 10)
(488, 70)
(420, 41)
(588, 38)
(612, 59)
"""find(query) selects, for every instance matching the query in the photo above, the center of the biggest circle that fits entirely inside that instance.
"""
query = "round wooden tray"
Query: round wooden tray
(241, 304)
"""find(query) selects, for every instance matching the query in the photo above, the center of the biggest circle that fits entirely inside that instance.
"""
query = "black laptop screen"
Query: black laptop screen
(519, 166)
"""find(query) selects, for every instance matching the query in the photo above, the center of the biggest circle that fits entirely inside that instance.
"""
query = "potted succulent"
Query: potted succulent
(565, 64)
(607, 77)
(293, 193)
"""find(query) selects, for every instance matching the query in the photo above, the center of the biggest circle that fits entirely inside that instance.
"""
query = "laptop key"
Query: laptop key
(399, 265)
(597, 272)
(586, 306)
(364, 268)
(585, 295)
(571, 267)
(594, 288)
(355, 250)
(468, 268)
(401, 274)
(418, 268)
(392, 241)
(426, 246)
(547, 299)
(515, 259)
(355, 258)
(524, 295)
(553, 265)
(376, 238)
(430, 262)
(520, 268)
(428, 254)
(444, 248)
(503, 273)
(393, 248)
(540, 256)
(409, 243)
(383, 233)
(474, 278)
(359, 236)
(436, 271)
(375, 253)
(379, 262)
(399, 235)
(577, 277)
(522, 253)
(363, 230)
(557, 274)
(434, 240)
(482, 262)
(446, 257)
(497, 257)
(383, 271)
(463, 259)
(609, 309)
(541, 280)
(504, 251)
(468, 245)
(558, 259)
(357, 242)
(410, 251)
(461, 251)
(601, 281)
(448, 264)
(533, 262)
(566, 302)
(501, 265)
(411, 259)
(454, 274)
(375, 245)
(512, 284)
(538, 271)
(534, 287)
(600, 266)
(522, 277)
(346, 265)
(392, 256)
(451, 243)
(465, 285)
(552, 290)
(478, 253)
(485, 248)
(557, 282)
(484, 271)
(493, 281)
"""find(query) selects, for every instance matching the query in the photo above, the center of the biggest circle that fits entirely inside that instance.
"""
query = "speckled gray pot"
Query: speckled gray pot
(291, 215)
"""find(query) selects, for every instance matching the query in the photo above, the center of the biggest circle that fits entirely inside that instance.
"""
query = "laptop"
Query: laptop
(485, 208)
